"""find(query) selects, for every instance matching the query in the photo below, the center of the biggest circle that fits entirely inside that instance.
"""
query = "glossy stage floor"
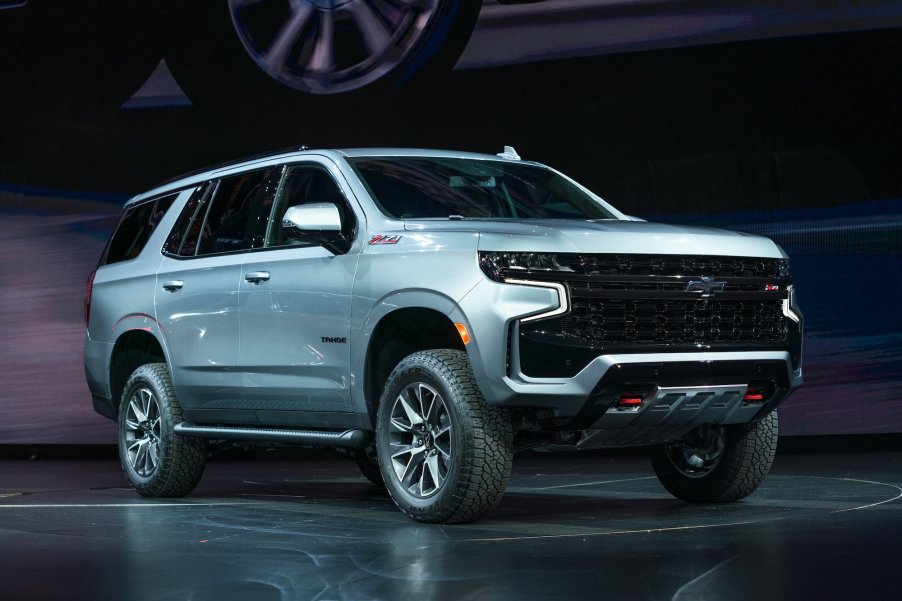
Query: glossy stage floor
(823, 526)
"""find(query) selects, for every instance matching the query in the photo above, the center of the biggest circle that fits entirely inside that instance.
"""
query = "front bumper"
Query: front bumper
(679, 392)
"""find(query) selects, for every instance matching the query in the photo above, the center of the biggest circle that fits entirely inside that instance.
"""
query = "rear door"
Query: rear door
(198, 284)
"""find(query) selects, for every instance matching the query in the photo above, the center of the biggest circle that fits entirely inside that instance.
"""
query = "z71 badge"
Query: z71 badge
(384, 239)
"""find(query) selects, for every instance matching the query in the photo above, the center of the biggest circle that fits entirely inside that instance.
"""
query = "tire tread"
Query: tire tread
(485, 463)
(183, 459)
(746, 462)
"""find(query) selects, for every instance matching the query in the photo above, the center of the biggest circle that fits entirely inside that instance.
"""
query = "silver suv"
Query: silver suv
(434, 312)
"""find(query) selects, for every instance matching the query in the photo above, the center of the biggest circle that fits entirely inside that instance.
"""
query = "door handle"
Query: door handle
(255, 277)
(173, 285)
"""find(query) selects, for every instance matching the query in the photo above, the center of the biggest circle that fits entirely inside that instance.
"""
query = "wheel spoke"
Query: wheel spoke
(412, 416)
(443, 442)
(399, 425)
(323, 60)
(406, 470)
(434, 472)
(140, 462)
(153, 457)
(147, 402)
(405, 448)
(376, 34)
(422, 392)
(136, 410)
(133, 448)
(276, 58)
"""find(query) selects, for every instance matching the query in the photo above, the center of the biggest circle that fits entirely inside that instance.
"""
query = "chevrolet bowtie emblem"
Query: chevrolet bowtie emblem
(705, 287)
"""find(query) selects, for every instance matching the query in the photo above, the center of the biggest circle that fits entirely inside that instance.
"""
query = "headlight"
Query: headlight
(528, 269)
(501, 266)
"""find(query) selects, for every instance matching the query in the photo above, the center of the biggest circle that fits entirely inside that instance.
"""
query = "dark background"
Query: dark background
(798, 138)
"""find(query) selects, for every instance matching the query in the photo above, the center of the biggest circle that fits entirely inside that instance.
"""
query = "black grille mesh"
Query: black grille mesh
(674, 265)
(598, 323)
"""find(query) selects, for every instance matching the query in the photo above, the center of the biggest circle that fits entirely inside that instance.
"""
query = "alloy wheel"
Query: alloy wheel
(420, 440)
(143, 431)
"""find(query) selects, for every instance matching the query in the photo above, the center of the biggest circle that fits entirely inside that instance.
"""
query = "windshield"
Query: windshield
(417, 188)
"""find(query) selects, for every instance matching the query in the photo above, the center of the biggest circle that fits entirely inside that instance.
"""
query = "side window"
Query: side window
(303, 184)
(238, 214)
(134, 229)
(182, 240)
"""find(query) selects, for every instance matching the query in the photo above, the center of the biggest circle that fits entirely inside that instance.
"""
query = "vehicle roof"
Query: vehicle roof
(276, 157)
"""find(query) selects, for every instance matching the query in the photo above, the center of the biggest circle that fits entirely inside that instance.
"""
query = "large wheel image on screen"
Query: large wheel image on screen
(260, 48)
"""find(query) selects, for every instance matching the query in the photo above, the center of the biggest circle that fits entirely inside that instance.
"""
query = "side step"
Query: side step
(346, 438)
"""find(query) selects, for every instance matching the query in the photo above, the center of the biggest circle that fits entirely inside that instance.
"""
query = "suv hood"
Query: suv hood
(628, 237)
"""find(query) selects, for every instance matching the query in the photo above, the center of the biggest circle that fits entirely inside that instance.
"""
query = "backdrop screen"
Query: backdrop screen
(759, 117)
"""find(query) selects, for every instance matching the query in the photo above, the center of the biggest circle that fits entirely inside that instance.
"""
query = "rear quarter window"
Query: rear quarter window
(134, 229)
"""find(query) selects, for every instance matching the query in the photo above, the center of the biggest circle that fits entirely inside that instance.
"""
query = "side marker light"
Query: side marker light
(464, 334)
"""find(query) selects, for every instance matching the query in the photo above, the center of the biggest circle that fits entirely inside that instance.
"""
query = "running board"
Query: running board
(346, 438)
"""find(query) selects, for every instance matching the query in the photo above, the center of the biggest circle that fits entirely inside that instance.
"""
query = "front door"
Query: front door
(295, 313)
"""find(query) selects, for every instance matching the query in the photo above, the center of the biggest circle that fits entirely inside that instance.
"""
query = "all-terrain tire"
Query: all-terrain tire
(168, 465)
(471, 445)
(747, 456)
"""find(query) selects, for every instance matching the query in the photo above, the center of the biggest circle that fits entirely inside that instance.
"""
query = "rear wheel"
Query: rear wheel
(717, 464)
(156, 461)
(445, 454)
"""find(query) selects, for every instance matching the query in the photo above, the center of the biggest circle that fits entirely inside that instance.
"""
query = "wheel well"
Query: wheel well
(399, 334)
(132, 350)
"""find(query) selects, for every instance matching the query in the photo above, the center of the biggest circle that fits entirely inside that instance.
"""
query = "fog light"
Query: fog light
(629, 401)
(753, 395)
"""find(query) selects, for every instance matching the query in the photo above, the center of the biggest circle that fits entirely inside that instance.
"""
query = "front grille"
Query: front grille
(647, 303)
(598, 323)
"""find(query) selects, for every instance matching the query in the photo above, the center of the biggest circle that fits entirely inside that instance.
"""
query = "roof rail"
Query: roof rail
(260, 155)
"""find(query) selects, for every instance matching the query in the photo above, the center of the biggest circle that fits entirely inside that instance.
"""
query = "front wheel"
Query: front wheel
(156, 461)
(445, 454)
(717, 464)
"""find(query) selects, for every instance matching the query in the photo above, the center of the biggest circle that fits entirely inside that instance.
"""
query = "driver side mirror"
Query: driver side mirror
(313, 218)
(319, 221)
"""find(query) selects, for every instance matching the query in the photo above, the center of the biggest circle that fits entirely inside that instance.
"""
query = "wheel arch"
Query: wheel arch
(133, 348)
(400, 332)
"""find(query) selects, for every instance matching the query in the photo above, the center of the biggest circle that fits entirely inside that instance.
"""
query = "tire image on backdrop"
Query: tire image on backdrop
(244, 54)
